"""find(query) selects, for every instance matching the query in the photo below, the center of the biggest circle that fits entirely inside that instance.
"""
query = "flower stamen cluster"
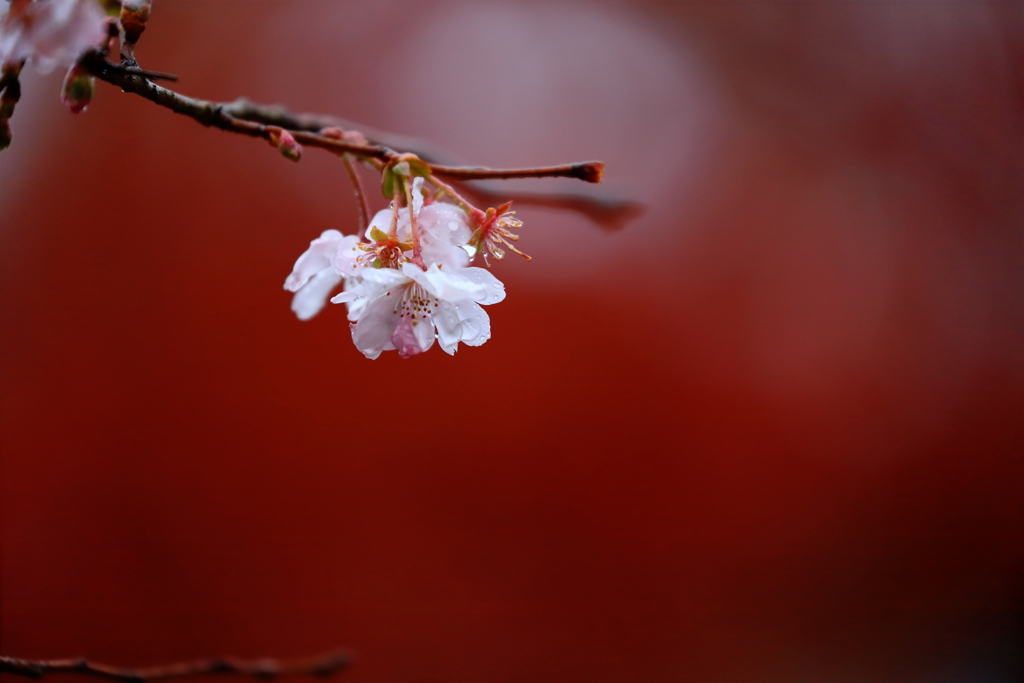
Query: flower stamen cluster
(494, 230)
(382, 252)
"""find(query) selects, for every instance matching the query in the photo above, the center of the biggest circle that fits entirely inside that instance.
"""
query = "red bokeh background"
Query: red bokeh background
(771, 431)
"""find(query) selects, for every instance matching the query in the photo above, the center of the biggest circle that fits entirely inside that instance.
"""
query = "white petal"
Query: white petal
(354, 297)
(358, 293)
(444, 254)
(376, 325)
(443, 285)
(491, 288)
(381, 220)
(449, 329)
(443, 231)
(314, 259)
(308, 301)
(447, 222)
(423, 327)
(476, 325)
(386, 277)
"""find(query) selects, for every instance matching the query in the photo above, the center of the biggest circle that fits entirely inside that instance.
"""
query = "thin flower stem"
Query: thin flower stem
(459, 199)
(357, 187)
(261, 668)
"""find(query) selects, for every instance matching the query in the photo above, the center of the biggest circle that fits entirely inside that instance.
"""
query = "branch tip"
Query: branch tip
(591, 171)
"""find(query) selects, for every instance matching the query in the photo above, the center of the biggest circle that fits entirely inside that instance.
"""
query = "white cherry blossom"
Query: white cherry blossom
(50, 33)
(406, 309)
(393, 302)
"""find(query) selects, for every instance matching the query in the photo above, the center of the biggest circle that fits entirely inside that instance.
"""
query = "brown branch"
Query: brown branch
(248, 118)
(259, 668)
(222, 115)
(608, 212)
(210, 113)
(589, 171)
(276, 115)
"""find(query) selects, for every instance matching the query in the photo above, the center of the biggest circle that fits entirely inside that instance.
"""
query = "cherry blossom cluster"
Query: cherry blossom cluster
(407, 280)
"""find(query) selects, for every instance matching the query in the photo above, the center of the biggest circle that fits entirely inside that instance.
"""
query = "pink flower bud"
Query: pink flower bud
(351, 136)
(79, 87)
(284, 142)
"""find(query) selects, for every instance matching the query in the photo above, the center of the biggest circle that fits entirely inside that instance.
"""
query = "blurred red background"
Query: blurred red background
(771, 431)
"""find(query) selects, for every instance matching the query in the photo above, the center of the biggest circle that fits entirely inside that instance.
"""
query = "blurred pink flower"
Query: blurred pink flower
(50, 33)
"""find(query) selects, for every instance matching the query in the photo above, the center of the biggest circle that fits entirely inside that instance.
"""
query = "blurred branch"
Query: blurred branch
(259, 668)
(608, 213)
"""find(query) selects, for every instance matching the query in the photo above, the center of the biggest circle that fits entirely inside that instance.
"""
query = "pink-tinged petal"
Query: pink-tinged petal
(476, 325)
(315, 259)
(449, 328)
(404, 339)
(412, 337)
(492, 290)
(373, 332)
(312, 296)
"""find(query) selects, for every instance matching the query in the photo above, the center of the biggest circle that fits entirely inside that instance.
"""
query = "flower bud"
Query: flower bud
(79, 87)
(134, 15)
(350, 136)
(284, 142)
